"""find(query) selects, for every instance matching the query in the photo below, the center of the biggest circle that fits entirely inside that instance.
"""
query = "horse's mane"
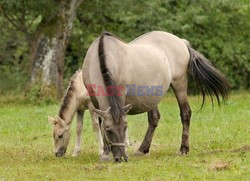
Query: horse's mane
(114, 100)
(68, 94)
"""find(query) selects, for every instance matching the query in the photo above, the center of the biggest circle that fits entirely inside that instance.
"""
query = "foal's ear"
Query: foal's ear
(101, 113)
(127, 108)
(60, 121)
(52, 120)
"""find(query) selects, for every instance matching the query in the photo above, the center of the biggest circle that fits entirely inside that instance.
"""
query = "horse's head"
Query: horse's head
(61, 135)
(114, 132)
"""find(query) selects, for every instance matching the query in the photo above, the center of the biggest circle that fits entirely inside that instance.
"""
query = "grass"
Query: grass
(219, 145)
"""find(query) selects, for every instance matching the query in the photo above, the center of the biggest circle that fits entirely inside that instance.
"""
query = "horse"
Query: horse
(74, 101)
(135, 77)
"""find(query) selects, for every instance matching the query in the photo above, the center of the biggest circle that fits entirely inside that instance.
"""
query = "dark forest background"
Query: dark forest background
(42, 43)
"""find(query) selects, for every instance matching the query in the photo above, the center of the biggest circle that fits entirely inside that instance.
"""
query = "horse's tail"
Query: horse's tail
(209, 80)
(114, 100)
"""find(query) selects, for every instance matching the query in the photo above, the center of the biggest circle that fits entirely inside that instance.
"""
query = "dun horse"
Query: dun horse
(76, 101)
(145, 69)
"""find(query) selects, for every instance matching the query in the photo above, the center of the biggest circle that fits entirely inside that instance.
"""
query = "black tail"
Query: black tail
(114, 100)
(209, 80)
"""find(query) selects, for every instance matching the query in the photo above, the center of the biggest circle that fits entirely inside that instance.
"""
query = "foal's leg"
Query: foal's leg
(103, 151)
(153, 118)
(180, 90)
(79, 126)
(96, 129)
(126, 138)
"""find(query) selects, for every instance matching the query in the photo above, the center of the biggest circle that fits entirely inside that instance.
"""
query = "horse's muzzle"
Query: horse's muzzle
(120, 159)
(60, 153)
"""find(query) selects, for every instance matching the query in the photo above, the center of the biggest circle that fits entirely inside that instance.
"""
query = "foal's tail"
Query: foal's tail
(209, 80)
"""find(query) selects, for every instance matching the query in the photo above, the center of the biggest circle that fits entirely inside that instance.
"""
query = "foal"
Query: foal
(76, 101)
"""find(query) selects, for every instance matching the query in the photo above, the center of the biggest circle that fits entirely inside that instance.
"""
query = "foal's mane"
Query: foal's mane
(114, 101)
(68, 94)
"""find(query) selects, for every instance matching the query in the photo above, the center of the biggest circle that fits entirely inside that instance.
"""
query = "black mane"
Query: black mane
(114, 100)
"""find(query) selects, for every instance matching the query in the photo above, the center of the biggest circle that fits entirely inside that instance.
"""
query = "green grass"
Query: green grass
(219, 145)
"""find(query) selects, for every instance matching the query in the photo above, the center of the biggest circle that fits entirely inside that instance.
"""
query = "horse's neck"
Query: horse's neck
(69, 108)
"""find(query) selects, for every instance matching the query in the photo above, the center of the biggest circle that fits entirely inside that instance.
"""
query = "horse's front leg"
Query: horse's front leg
(79, 127)
(153, 118)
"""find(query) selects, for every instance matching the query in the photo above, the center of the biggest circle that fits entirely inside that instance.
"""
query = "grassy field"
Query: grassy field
(219, 145)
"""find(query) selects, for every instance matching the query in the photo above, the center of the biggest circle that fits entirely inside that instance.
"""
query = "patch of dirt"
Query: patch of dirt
(210, 152)
(218, 166)
(244, 148)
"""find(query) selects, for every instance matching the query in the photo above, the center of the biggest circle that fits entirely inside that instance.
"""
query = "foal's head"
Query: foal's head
(61, 135)
(114, 132)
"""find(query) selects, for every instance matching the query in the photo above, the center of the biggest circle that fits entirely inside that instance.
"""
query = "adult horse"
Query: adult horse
(154, 61)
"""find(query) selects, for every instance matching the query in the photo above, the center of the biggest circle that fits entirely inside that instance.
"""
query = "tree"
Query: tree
(48, 40)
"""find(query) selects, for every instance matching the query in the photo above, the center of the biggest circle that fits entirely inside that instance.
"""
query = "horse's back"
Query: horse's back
(175, 49)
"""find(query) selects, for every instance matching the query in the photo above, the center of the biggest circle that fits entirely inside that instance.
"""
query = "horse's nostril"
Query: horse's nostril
(126, 158)
(59, 154)
(116, 159)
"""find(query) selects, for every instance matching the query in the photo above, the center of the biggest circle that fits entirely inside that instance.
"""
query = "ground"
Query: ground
(219, 145)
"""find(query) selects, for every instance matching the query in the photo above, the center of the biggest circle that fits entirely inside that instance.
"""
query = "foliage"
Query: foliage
(219, 146)
(218, 29)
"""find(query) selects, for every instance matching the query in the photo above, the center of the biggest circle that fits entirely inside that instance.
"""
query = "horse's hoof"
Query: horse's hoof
(105, 158)
(75, 153)
(182, 153)
(183, 150)
(139, 153)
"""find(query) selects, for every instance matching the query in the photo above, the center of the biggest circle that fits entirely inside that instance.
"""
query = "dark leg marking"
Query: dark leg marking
(153, 118)
(180, 91)
(185, 119)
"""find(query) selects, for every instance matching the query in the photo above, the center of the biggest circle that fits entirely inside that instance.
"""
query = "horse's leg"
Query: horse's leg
(153, 118)
(103, 153)
(96, 129)
(126, 138)
(180, 90)
(79, 126)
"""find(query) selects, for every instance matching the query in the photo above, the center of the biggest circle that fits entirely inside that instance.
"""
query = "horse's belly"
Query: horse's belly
(141, 106)
(147, 82)
(146, 95)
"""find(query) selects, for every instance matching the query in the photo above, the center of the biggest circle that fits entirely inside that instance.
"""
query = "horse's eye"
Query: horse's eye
(60, 136)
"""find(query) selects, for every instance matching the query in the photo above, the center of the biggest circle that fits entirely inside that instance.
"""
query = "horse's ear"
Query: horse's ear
(52, 120)
(101, 113)
(60, 121)
(58, 118)
(127, 108)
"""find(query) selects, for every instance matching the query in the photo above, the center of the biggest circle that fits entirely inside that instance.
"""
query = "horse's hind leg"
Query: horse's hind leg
(79, 126)
(153, 118)
(180, 89)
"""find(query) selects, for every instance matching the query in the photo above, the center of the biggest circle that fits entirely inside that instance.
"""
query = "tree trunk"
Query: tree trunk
(48, 51)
